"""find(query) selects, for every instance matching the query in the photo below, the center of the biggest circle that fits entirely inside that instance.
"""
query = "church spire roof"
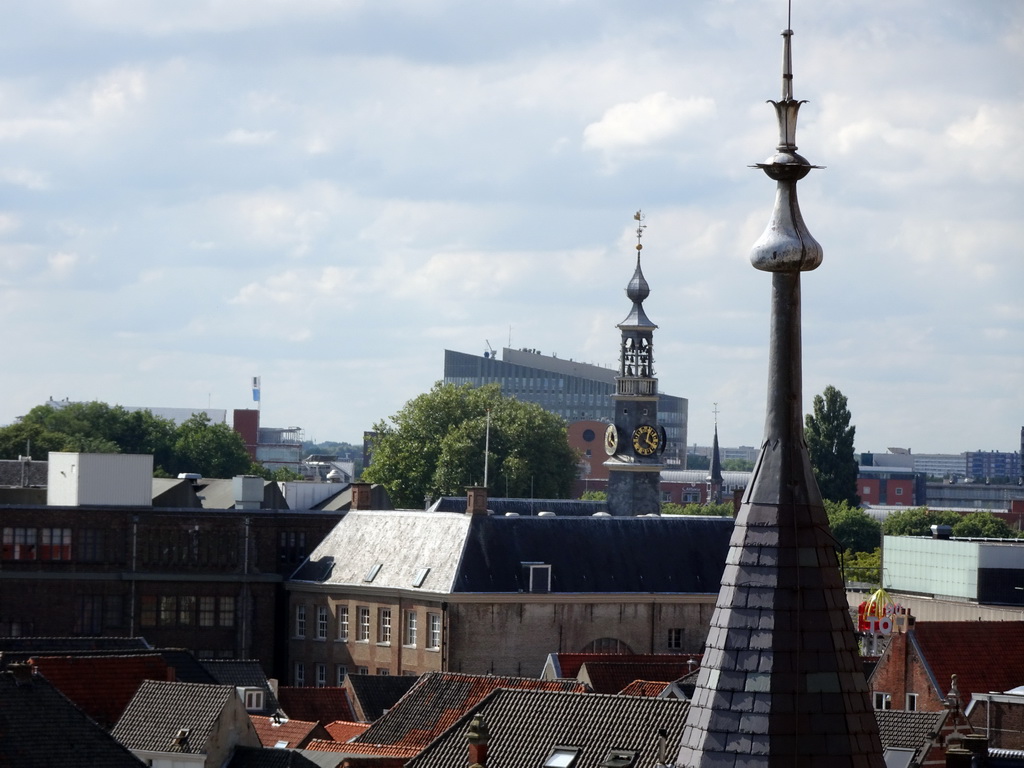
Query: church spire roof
(638, 289)
(781, 681)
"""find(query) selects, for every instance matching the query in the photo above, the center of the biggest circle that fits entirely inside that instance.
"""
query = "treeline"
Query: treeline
(212, 450)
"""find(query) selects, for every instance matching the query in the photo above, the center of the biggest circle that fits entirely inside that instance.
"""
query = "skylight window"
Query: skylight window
(372, 573)
(420, 577)
(619, 758)
(562, 757)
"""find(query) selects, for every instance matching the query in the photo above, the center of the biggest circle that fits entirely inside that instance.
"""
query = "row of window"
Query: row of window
(51, 544)
(410, 626)
(883, 700)
(187, 611)
(340, 670)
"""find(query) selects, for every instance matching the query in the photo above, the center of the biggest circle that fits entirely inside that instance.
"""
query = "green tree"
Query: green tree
(695, 461)
(983, 525)
(829, 437)
(863, 566)
(594, 496)
(213, 450)
(712, 510)
(434, 446)
(854, 529)
(738, 465)
(917, 521)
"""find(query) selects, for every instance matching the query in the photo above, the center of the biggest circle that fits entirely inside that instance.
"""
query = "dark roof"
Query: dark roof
(613, 676)
(185, 666)
(322, 705)
(439, 699)
(245, 674)
(908, 730)
(681, 554)
(525, 507)
(101, 685)
(254, 757)
(964, 649)
(485, 553)
(525, 726)
(375, 694)
(54, 645)
(566, 665)
(19, 474)
(159, 710)
(41, 728)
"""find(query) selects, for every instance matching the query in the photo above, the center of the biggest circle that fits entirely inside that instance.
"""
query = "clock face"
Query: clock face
(611, 440)
(646, 440)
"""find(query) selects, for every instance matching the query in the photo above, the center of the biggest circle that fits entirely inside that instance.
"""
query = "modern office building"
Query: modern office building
(573, 390)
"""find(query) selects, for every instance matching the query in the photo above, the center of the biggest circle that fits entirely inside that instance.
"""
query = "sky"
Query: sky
(330, 193)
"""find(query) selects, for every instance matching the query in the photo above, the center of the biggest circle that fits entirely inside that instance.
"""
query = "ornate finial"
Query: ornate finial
(640, 227)
(715, 411)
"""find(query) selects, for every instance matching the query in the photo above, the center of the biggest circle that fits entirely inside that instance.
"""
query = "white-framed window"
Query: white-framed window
(911, 702)
(321, 675)
(321, 622)
(362, 670)
(253, 699)
(384, 626)
(343, 623)
(300, 674)
(300, 620)
(882, 700)
(363, 630)
(340, 670)
(433, 631)
(675, 639)
(383, 671)
(410, 629)
(540, 578)
(899, 491)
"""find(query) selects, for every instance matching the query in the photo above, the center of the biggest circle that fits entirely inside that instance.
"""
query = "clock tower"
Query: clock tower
(635, 441)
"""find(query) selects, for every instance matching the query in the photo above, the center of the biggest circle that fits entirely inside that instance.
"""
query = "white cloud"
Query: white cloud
(248, 138)
(642, 123)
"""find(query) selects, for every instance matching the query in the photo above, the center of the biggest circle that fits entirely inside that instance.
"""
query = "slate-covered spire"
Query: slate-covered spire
(781, 683)
(715, 479)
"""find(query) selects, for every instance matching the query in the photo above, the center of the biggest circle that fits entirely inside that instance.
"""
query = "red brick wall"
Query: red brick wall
(900, 672)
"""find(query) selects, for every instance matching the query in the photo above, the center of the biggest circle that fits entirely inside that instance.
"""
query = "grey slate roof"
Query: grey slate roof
(909, 730)
(15, 473)
(526, 725)
(485, 553)
(40, 728)
(242, 673)
(255, 757)
(160, 709)
(374, 694)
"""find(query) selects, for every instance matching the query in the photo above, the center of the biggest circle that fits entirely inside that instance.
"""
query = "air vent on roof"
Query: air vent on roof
(420, 577)
(545, 513)
(372, 573)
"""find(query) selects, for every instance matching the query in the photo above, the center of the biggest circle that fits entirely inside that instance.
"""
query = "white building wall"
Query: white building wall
(111, 479)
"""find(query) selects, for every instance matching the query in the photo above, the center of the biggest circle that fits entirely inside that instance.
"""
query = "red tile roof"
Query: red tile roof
(612, 676)
(648, 688)
(101, 686)
(355, 748)
(323, 705)
(439, 699)
(343, 730)
(984, 655)
(294, 732)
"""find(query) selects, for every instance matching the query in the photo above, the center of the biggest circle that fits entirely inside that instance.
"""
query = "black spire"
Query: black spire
(781, 683)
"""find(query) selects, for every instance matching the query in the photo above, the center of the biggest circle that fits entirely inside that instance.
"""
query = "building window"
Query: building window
(340, 670)
(207, 611)
(343, 623)
(291, 546)
(362, 670)
(911, 702)
(300, 620)
(363, 630)
(300, 674)
(55, 544)
(186, 611)
(562, 757)
(168, 610)
(253, 699)
(899, 491)
(540, 578)
(89, 615)
(321, 675)
(434, 631)
(384, 626)
(19, 544)
(675, 639)
(383, 671)
(321, 622)
(867, 490)
(226, 617)
(883, 700)
(410, 628)
(89, 545)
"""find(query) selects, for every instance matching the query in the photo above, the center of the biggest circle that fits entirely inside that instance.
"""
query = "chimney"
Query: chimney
(477, 736)
(361, 497)
(958, 757)
(476, 500)
(977, 745)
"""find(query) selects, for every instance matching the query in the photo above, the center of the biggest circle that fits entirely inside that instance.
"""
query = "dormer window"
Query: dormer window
(253, 698)
(538, 577)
